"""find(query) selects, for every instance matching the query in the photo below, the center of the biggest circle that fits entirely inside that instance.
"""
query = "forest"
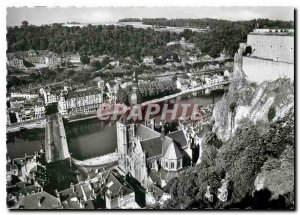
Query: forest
(124, 41)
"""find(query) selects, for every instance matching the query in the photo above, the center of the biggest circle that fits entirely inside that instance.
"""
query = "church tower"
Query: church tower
(122, 145)
(135, 97)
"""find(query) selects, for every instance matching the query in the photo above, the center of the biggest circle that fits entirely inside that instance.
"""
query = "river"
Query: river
(87, 138)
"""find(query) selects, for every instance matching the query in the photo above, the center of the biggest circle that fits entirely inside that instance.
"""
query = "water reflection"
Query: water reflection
(21, 142)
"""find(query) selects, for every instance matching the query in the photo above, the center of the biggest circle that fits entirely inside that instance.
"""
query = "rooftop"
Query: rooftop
(42, 200)
(83, 93)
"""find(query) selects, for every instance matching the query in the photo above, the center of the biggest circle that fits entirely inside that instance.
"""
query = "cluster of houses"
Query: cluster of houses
(26, 179)
(25, 106)
(41, 58)
(71, 102)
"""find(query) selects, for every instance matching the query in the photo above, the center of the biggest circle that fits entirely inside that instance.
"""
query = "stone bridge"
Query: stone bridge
(56, 146)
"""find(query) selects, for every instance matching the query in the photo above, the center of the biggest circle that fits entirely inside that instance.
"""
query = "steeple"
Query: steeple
(135, 96)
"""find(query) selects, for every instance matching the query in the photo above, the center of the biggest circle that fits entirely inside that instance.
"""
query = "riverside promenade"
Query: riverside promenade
(98, 161)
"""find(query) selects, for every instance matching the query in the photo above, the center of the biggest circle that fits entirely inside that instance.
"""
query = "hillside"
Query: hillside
(251, 146)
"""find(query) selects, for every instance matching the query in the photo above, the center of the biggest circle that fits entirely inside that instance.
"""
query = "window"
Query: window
(153, 165)
(179, 164)
(166, 164)
(172, 165)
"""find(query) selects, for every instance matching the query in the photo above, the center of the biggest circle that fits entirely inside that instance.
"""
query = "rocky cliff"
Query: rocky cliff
(265, 103)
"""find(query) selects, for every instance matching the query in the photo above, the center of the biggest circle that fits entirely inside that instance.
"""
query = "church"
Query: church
(150, 156)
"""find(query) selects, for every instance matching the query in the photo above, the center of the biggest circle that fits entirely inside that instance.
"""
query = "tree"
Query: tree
(24, 24)
(84, 59)
(96, 64)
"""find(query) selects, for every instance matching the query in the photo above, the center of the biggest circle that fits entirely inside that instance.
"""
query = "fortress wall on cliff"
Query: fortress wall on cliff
(259, 70)
(273, 47)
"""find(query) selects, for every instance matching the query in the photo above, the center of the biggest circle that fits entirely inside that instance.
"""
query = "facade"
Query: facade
(215, 79)
(112, 89)
(272, 55)
(49, 96)
(16, 63)
(153, 157)
(80, 102)
(24, 95)
(148, 60)
(118, 194)
(78, 196)
(52, 59)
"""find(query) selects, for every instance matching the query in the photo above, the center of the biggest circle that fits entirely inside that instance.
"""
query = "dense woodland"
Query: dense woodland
(134, 42)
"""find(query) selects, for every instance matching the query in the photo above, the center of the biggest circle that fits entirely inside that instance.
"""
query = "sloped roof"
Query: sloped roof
(168, 175)
(152, 147)
(145, 132)
(42, 200)
(115, 186)
(179, 137)
(83, 93)
(173, 152)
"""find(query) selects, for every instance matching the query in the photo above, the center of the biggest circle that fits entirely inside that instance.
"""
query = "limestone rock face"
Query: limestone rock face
(266, 102)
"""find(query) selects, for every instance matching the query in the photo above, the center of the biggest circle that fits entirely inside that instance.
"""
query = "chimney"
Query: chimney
(40, 202)
(57, 193)
(72, 187)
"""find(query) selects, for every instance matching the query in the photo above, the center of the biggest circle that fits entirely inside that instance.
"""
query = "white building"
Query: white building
(271, 57)
(148, 60)
(16, 63)
(24, 95)
(80, 102)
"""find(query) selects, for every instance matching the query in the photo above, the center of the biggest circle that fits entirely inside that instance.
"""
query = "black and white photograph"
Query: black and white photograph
(149, 108)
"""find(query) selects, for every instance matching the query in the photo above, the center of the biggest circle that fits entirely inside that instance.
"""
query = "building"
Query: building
(26, 109)
(16, 63)
(52, 59)
(135, 95)
(24, 95)
(271, 57)
(112, 89)
(79, 196)
(74, 58)
(118, 193)
(40, 200)
(80, 102)
(150, 156)
(50, 96)
(153, 157)
(148, 60)
(100, 83)
(215, 79)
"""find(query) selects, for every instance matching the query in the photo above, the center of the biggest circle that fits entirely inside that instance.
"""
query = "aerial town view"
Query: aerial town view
(140, 111)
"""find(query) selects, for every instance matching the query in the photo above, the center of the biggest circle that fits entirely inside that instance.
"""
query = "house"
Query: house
(118, 193)
(40, 200)
(24, 95)
(155, 195)
(50, 96)
(16, 63)
(214, 79)
(79, 196)
(16, 102)
(80, 102)
(74, 58)
(52, 59)
(100, 83)
(148, 60)
(115, 63)
(112, 89)
(182, 84)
